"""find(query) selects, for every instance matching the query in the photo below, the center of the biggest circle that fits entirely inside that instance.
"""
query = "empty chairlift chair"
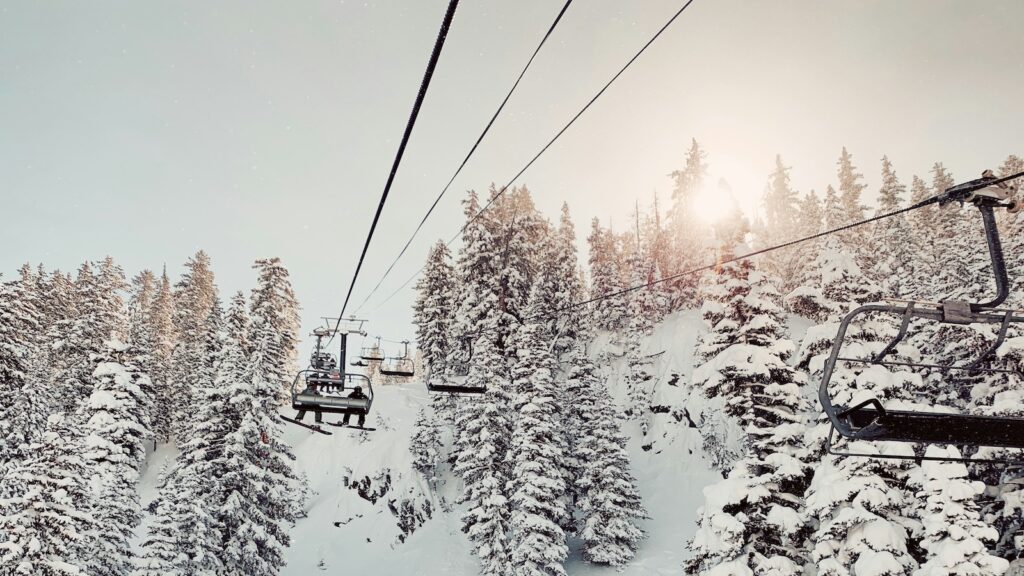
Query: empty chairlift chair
(453, 380)
(871, 420)
(374, 352)
(399, 365)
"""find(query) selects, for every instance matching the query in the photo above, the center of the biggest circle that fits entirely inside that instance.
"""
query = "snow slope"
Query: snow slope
(371, 513)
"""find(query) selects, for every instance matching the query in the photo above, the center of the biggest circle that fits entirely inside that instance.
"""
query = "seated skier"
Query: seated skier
(357, 394)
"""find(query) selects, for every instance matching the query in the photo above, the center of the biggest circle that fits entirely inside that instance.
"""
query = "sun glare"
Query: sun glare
(713, 203)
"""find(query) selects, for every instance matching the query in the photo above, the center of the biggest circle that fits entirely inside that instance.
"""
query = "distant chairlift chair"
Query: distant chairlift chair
(870, 420)
(399, 365)
(454, 380)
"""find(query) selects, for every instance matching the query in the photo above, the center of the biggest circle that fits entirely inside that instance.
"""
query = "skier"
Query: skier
(357, 394)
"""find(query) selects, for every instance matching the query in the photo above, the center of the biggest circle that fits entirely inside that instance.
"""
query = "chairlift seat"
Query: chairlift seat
(868, 423)
(399, 367)
(453, 385)
(334, 404)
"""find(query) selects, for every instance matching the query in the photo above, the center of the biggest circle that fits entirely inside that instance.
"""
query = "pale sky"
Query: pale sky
(148, 130)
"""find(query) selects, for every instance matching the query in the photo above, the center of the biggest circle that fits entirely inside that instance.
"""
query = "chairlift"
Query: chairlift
(870, 420)
(325, 387)
(453, 381)
(372, 352)
(399, 365)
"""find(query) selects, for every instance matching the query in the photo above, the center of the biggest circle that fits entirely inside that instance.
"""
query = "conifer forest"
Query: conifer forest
(770, 364)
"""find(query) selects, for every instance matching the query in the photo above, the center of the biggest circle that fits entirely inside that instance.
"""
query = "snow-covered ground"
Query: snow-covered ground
(363, 485)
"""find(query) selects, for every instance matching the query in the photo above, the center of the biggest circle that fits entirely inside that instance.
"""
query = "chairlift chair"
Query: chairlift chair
(454, 380)
(399, 365)
(871, 420)
(372, 352)
(325, 386)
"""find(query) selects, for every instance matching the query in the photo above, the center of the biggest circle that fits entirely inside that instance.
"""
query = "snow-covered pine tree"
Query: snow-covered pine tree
(47, 523)
(752, 519)
(782, 224)
(161, 326)
(923, 238)
(258, 481)
(607, 496)
(161, 553)
(643, 309)
(238, 323)
(950, 233)
(605, 279)
(687, 232)
(484, 428)
(559, 269)
(955, 537)
(856, 507)
(718, 293)
(194, 295)
(116, 428)
(142, 337)
(851, 186)
(425, 444)
(434, 307)
(186, 536)
(656, 237)
(101, 316)
(537, 482)
(20, 321)
(275, 307)
(811, 214)
(891, 257)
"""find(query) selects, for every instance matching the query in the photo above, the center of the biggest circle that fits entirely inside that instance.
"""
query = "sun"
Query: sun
(713, 203)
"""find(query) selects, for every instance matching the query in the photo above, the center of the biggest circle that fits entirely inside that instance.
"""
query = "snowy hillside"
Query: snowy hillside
(364, 488)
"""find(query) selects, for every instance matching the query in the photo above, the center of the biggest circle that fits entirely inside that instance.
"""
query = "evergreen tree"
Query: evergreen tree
(950, 234)
(258, 480)
(891, 256)
(48, 521)
(435, 304)
(955, 536)
(537, 484)
(782, 224)
(161, 554)
(608, 313)
(642, 308)
(687, 230)
(425, 444)
(608, 497)
(853, 209)
(19, 325)
(239, 325)
(116, 428)
(100, 316)
(856, 507)
(477, 271)
(752, 519)
(482, 445)
(142, 337)
(161, 327)
(187, 535)
(562, 285)
(194, 297)
(274, 307)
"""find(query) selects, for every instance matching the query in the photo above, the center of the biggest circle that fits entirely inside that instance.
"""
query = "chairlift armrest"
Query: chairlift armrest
(872, 402)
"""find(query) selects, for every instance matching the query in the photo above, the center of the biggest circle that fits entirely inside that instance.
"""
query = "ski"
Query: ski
(312, 427)
(340, 425)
